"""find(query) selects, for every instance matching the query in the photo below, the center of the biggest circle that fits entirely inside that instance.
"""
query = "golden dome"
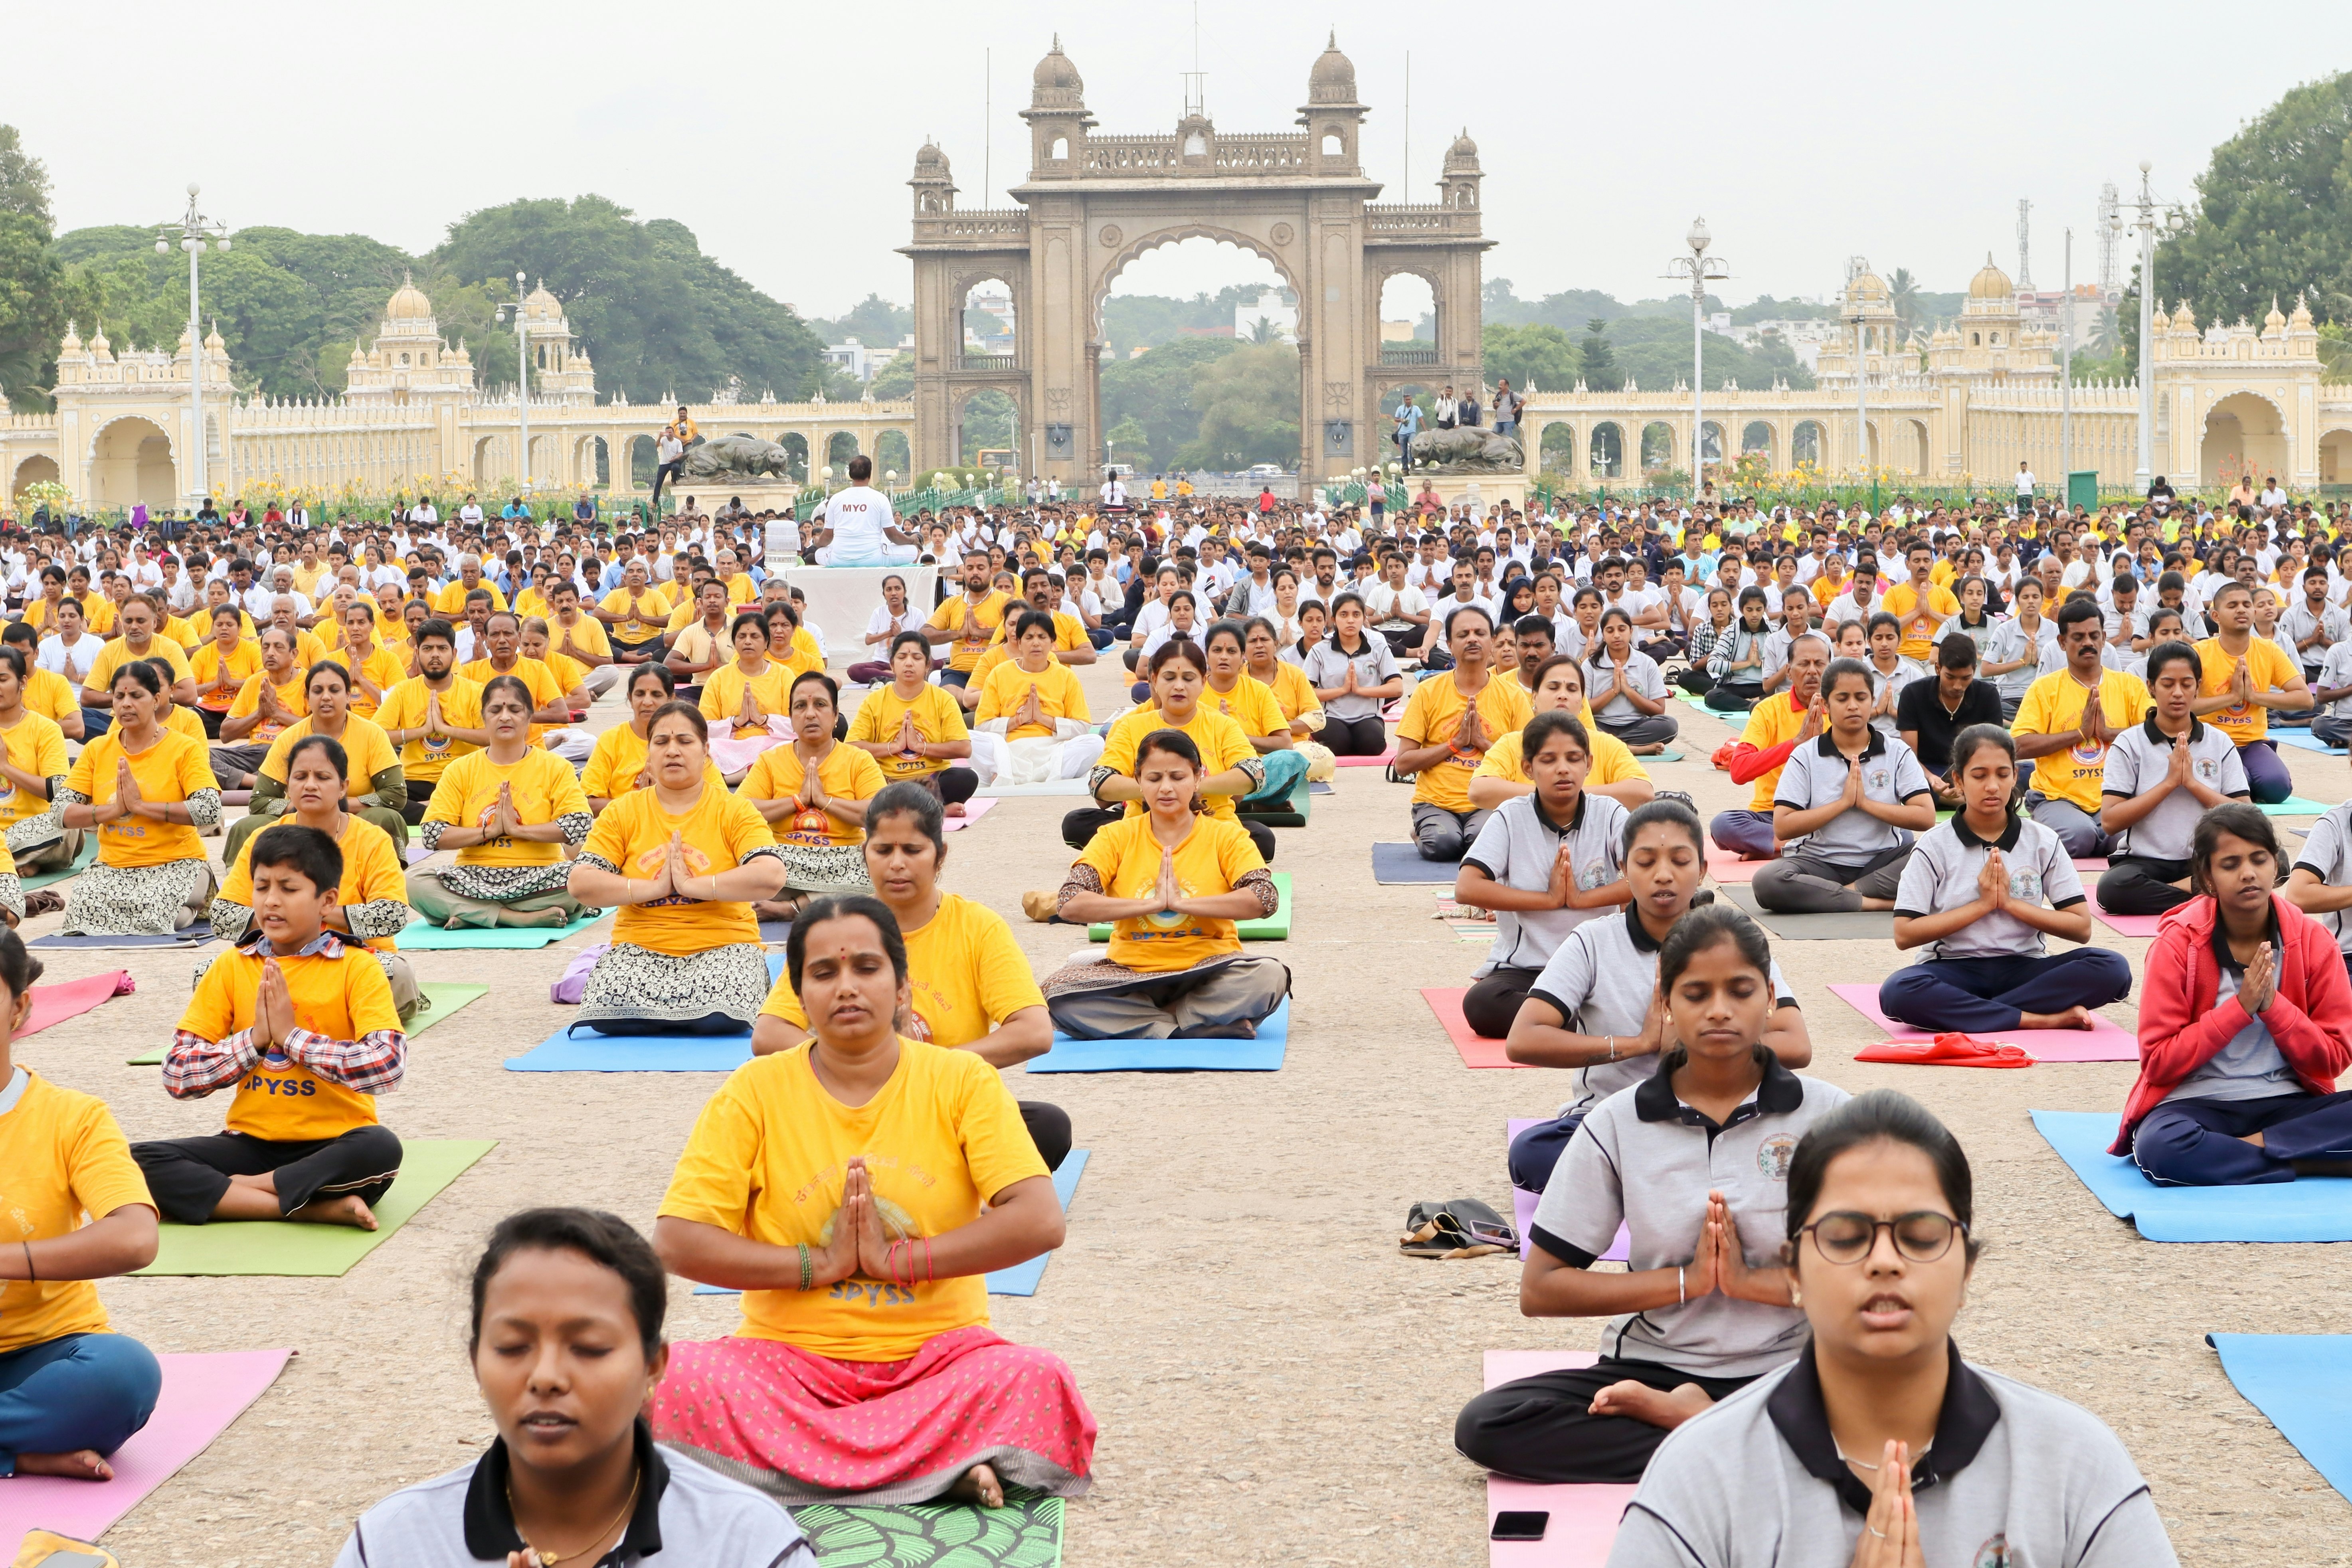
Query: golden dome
(1866, 286)
(1991, 283)
(2276, 320)
(99, 345)
(72, 343)
(543, 306)
(409, 303)
(1463, 154)
(1333, 79)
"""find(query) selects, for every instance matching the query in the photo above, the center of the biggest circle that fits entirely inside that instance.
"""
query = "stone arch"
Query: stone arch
(131, 460)
(1407, 353)
(2336, 457)
(2245, 432)
(796, 444)
(961, 287)
(999, 423)
(33, 471)
(637, 462)
(894, 453)
(1758, 436)
(1911, 450)
(1658, 446)
(591, 460)
(489, 453)
(1713, 441)
(1556, 447)
(1608, 446)
(839, 447)
(1809, 443)
(1176, 233)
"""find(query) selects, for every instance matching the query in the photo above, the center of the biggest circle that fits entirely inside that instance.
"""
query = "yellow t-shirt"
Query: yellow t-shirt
(722, 696)
(1251, 704)
(52, 695)
(647, 620)
(767, 1160)
(116, 653)
(846, 773)
(1293, 692)
(939, 719)
(344, 998)
(1613, 761)
(174, 768)
(183, 720)
(98, 613)
(1222, 743)
(718, 831)
(292, 698)
(544, 691)
(243, 662)
(1774, 721)
(367, 751)
(384, 669)
(569, 672)
(404, 708)
(966, 972)
(988, 614)
(65, 1157)
(36, 745)
(544, 786)
(449, 600)
(1059, 696)
(587, 634)
(2054, 705)
(1213, 856)
(371, 871)
(1069, 632)
(1433, 712)
(619, 757)
(2269, 666)
(1920, 617)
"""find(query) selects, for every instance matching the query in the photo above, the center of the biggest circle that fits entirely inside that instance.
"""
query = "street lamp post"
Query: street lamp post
(2066, 381)
(522, 380)
(1701, 269)
(2150, 221)
(195, 231)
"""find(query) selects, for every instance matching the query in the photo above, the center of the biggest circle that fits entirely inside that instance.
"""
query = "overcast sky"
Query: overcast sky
(782, 135)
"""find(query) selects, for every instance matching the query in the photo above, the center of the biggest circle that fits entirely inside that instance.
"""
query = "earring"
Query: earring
(1796, 1294)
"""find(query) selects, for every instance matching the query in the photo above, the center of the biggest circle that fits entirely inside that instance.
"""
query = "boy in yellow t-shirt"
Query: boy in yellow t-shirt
(1431, 739)
(302, 1027)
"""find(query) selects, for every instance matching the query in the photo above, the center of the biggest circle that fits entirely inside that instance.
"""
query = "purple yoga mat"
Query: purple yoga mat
(201, 1395)
(1523, 1204)
(2102, 1042)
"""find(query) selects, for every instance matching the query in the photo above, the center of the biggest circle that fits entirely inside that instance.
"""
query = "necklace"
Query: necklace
(550, 1559)
(1864, 1465)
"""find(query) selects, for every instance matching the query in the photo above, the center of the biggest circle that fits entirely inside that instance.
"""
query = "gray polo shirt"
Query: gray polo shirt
(2296, 622)
(1326, 667)
(2014, 1476)
(1641, 674)
(1942, 875)
(2138, 760)
(1517, 849)
(2327, 853)
(1816, 775)
(1646, 1159)
(1600, 982)
(2008, 642)
(2336, 670)
(1905, 672)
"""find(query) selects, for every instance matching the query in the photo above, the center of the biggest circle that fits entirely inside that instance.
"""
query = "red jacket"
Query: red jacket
(2310, 1019)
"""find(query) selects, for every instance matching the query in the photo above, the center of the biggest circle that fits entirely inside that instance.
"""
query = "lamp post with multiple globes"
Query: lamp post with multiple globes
(1701, 269)
(195, 231)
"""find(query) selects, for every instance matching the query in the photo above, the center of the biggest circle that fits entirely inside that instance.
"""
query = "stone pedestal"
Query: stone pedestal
(758, 495)
(842, 599)
(1485, 491)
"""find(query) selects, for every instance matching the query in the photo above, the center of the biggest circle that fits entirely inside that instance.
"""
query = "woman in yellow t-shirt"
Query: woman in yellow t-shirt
(1248, 702)
(915, 729)
(222, 664)
(147, 790)
(739, 697)
(683, 862)
(76, 1390)
(1293, 692)
(508, 810)
(1178, 672)
(1174, 880)
(34, 764)
(617, 765)
(1033, 725)
(327, 688)
(858, 1189)
(1616, 773)
(813, 793)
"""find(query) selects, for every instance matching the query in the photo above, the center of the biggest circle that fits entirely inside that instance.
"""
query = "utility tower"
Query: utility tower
(2024, 246)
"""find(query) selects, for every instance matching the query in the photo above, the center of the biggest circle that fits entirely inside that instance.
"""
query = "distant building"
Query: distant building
(1397, 332)
(855, 359)
(988, 320)
(1804, 337)
(1276, 307)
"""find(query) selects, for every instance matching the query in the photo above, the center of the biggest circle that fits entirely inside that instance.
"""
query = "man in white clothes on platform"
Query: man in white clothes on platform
(857, 526)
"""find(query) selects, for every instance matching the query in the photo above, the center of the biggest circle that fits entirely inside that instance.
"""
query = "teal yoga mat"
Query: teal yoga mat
(422, 936)
(1264, 1054)
(2294, 805)
(2304, 1383)
(588, 1051)
(1274, 927)
(2311, 1209)
(81, 863)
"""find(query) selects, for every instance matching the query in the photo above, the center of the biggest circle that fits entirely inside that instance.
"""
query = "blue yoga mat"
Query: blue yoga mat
(1021, 1279)
(2304, 1383)
(1262, 1053)
(588, 1051)
(2313, 1208)
(2303, 740)
(1394, 863)
(1318, 788)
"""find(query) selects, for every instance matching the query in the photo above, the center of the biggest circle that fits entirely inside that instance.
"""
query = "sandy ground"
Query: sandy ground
(1274, 1382)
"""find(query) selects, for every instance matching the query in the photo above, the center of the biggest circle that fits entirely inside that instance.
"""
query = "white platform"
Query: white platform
(842, 599)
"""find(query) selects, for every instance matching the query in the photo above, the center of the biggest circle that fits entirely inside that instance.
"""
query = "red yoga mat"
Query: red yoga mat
(1476, 1050)
(71, 998)
(1725, 866)
(2102, 1042)
(1583, 1524)
(1383, 760)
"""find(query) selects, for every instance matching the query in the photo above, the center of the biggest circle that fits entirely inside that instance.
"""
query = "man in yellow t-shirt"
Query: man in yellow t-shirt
(1920, 605)
(635, 615)
(138, 619)
(968, 621)
(502, 635)
(450, 601)
(2244, 677)
(1448, 722)
(435, 716)
(268, 702)
(580, 636)
(2065, 734)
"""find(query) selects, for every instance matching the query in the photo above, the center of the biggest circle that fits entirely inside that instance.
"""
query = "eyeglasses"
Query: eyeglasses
(1849, 1238)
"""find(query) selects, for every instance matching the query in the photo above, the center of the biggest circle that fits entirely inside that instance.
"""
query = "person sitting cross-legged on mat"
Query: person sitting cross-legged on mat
(1973, 895)
(302, 1025)
(1546, 862)
(2065, 734)
(72, 1391)
(146, 790)
(1294, 694)
(1449, 721)
(1248, 702)
(1557, 685)
(682, 862)
(858, 1189)
(508, 810)
(566, 1346)
(1694, 1160)
(1776, 725)
(1180, 673)
(371, 901)
(2162, 774)
(1174, 880)
(1032, 724)
(1735, 661)
(1595, 1008)
(435, 716)
(327, 688)
(1846, 810)
(2244, 678)
(973, 988)
(617, 765)
(1878, 1446)
(2245, 1024)
(1354, 675)
(1628, 694)
(915, 729)
(813, 792)
(2321, 883)
(33, 760)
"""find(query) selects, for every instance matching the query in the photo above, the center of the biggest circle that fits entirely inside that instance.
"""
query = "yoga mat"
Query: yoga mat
(973, 810)
(417, 854)
(201, 1396)
(2122, 925)
(423, 936)
(775, 933)
(1583, 1524)
(1290, 811)
(1523, 1202)
(1476, 1051)
(2304, 1383)
(1697, 700)
(1867, 925)
(2104, 1041)
(71, 998)
(81, 863)
(2293, 806)
(1668, 755)
(1274, 927)
(1026, 1532)
(195, 935)
(316, 1251)
(1383, 760)
(1318, 787)
(2310, 1208)
(1394, 864)
(1725, 866)
(1071, 787)
(1262, 1053)
(2303, 740)
(446, 998)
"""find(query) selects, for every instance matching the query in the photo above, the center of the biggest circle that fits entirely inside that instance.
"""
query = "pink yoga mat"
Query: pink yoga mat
(1383, 760)
(2123, 925)
(1728, 867)
(71, 998)
(1523, 1208)
(201, 1395)
(1476, 1051)
(1583, 1518)
(973, 810)
(2102, 1042)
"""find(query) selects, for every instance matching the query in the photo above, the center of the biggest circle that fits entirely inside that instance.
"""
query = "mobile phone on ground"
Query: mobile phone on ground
(1519, 1524)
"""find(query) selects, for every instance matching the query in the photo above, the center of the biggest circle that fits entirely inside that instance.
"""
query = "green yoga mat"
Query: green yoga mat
(1026, 1532)
(1274, 927)
(81, 863)
(283, 1247)
(446, 998)
(423, 937)
(1668, 755)
(1293, 813)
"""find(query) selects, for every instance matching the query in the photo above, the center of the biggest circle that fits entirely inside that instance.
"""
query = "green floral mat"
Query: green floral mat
(1026, 1532)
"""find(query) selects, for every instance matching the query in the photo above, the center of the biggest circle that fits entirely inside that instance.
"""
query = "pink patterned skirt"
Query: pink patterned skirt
(807, 1428)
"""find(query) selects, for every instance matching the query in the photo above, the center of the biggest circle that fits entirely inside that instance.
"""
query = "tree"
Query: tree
(1249, 409)
(1156, 390)
(894, 380)
(1903, 290)
(1127, 440)
(1595, 361)
(1543, 357)
(32, 282)
(873, 320)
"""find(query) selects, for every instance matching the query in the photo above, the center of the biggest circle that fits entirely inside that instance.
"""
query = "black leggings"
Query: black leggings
(2137, 885)
(1490, 1005)
(1049, 1129)
(420, 795)
(188, 1176)
(1364, 737)
(1542, 1428)
(1078, 828)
